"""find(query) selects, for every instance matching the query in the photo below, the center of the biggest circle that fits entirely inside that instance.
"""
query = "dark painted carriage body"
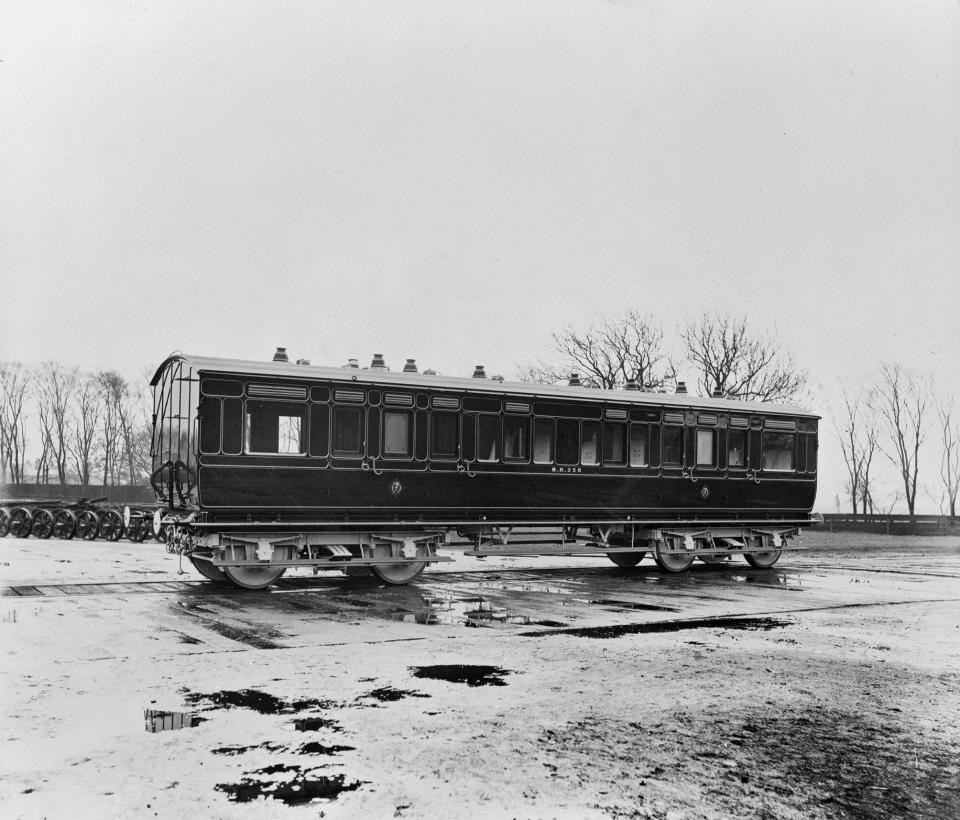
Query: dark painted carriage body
(376, 446)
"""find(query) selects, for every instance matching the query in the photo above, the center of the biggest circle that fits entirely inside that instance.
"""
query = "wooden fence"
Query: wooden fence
(890, 524)
(122, 494)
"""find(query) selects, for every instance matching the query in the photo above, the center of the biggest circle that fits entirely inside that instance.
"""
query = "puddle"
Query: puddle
(461, 673)
(475, 611)
(314, 748)
(387, 694)
(262, 702)
(665, 626)
(239, 750)
(315, 724)
(632, 605)
(160, 720)
(302, 788)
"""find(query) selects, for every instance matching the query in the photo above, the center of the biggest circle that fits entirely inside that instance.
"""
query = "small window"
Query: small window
(543, 441)
(444, 435)
(488, 438)
(274, 427)
(568, 441)
(590, 443)
(736, 449)
(811, 454)
(705, 456)
(639, 433)
(397, 434)
(778, 449)
(209, 425)
(347, 431)
(614, 443)
(516, 439)
(672, 444)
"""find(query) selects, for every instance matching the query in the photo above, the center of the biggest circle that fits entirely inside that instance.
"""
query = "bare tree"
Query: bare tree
(14, 391)
(903, 401)
(736, 360)
(110, 438)
(608, 353)
(83, 426)
(858, 443)
(950, 453)
(55, 386)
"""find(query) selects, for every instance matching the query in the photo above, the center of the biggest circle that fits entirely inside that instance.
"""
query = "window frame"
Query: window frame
(407, 415)
(336, 452)
(245, 440)
(435, 416)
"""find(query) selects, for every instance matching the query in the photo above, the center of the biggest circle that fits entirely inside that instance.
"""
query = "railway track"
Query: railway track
(294, 584)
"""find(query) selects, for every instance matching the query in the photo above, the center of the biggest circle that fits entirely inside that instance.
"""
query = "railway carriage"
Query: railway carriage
(261, 466)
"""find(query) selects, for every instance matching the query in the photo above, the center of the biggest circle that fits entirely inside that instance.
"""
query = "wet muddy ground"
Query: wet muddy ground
(828, 686)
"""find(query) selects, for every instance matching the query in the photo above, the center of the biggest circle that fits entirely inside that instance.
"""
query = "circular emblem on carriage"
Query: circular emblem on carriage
(395, 487)
(704, 492)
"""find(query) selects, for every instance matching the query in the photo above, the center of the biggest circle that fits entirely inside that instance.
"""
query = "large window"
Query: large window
(516, 438)
(614, 443)
(274, 427)
(672, 444)
(543, 441)
(397, 434)
(639, 439)
(444, 435)
(347, 431)
(590, 443)
(705, 449)
(737, 449)
(488, 434)
(778, 450)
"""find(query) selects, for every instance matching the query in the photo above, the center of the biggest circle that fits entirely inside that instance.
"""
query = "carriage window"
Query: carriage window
(811, 454)
(444, 435)
(778, 451)
(516, 438)
(672, 444)
(614, 439)
(347, 431)
(232, 425)
(397, 434)
(589, 441)
(487, 435)
(568, 441)
(736, 448)
(274, 427)
(705, 448)
(639, 433)
(543, 441)
(209, 425)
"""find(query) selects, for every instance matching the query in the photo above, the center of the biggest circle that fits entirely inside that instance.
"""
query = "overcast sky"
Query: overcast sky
(453, 181)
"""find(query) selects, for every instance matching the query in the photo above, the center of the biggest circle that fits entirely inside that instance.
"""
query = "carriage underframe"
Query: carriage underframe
(254, 555)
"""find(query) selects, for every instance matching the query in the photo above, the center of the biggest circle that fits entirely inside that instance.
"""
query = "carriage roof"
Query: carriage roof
(492, 387)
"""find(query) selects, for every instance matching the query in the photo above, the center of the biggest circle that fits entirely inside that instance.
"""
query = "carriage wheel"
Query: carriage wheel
(111, 526)
(88, 524)
(398, 573)
(626, 559)
(671, 563)
(763, 560)
(21, 520)
(64, 524)
(4, 523)
(42, 525)
(137, 530)
(206, 569)
(252, 577)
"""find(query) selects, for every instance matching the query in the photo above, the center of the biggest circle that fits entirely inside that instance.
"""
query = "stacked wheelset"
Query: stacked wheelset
(85, 519)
